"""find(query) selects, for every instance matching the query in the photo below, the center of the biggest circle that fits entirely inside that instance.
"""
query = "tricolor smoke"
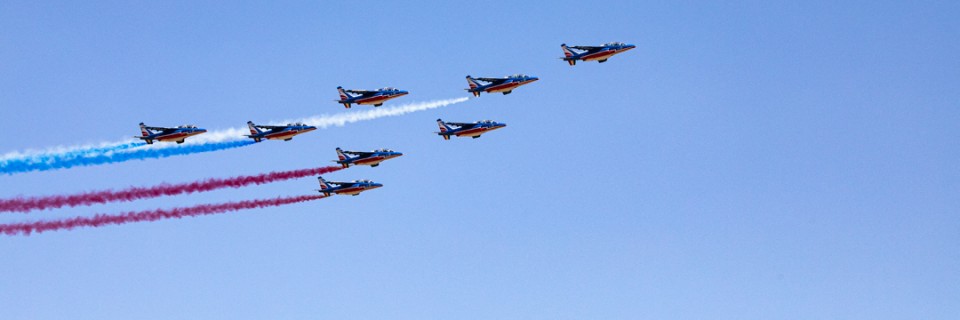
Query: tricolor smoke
(53, 162)
(68, 157)
(26, 228)
(136, 193)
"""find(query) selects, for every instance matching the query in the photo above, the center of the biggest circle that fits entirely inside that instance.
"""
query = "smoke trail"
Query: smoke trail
(26, 228)
(68, 151)
(328, 120)
(68, 157)
(11, 161)
(341, 119)
(135, 193)
(148, 152)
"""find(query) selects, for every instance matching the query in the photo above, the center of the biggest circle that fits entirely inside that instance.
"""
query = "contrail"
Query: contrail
(22, 204)
(26, 228)
(146, 152)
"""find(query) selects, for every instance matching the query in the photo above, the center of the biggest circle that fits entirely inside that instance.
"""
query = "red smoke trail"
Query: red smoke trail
(22, 204)
(27, 228)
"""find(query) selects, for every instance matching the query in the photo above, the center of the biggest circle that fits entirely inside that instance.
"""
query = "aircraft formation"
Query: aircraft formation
(376, 98)
(345, 159)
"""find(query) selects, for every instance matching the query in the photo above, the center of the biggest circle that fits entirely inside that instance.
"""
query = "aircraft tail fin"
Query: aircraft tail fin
(323, 184)
(341, 155)
(343, 94)
(472, 83)
(444, 128)
(143, 130)
(253, 128)
(566, 51)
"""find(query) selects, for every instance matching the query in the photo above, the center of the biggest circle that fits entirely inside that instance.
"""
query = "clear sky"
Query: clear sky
(749, 160)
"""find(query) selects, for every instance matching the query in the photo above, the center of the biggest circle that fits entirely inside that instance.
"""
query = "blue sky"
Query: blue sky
(750, 160)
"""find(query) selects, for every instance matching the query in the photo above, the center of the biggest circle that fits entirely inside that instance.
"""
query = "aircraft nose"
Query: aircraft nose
(630, 46)
(377, 185)
(534, 79)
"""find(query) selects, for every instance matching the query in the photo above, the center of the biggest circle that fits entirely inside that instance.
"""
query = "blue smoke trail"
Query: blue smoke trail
(17, 163)
(67, 155)
(60, 161)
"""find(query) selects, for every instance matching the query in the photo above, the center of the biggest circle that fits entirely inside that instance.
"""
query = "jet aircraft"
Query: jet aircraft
(352, 188)
(368, 97)
(473, 130)
(284, 133)
(372, 158)
(594, 53)
(178, 134)
(503, 85)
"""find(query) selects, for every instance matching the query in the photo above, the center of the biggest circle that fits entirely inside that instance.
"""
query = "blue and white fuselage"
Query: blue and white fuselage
(351, 188)
(503, 85)
(177, 134)
(359, 158)
(285, 133)
(369, 97)
(473, 130)
(593, 53)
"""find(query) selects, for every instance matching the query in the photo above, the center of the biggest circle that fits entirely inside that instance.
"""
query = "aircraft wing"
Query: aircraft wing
(491, 80)
(271, 127)
(462, 124)
(361, 91)
(358, 153)
(588, 48)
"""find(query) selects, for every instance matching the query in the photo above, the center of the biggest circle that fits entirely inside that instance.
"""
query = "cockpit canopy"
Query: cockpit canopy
(383, 150)
(519, 75)
(187, 126)
(614, 44)
(388, 89)
(296, 124)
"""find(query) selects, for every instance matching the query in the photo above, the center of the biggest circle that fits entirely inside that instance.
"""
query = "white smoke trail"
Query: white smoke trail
(341, 119)
(329, 120)
(34, 153)
(106, 152)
